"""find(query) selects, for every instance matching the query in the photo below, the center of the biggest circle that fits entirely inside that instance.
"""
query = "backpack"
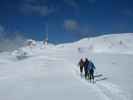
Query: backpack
(91, 66)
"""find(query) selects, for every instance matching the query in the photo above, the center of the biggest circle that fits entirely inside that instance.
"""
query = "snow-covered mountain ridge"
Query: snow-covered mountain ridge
(114, 43)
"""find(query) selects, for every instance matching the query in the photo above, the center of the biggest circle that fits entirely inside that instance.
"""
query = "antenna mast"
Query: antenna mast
(46, 36)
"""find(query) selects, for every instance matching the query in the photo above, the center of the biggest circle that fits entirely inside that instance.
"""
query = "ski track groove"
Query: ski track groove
(113, 91)
(102, 95)
(106, 90)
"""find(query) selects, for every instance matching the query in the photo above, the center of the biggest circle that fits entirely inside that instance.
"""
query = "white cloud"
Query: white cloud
(71, 3)
(128, 12)
(42, 10)
(1, 30)
(7, 44)
(32, 7)
(71, 25)
(80, 30)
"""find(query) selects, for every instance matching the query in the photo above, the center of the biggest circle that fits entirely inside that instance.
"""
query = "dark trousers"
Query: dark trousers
(81, 69)
(91, 76)
(86, 75)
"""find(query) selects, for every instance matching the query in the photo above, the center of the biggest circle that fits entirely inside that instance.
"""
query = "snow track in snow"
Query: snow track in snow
(113, 91)
(102, 95)
(106, 90)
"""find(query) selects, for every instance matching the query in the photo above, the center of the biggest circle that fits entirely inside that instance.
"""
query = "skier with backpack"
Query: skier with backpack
(89, 68)
(86, 68)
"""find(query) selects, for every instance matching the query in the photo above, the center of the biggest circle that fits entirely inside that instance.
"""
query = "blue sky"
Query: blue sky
(67, 20)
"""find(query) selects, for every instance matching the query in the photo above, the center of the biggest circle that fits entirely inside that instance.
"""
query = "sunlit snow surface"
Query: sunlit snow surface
(51, 72)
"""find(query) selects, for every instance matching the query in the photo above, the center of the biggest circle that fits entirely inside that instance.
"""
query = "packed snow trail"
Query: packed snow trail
(42, 77)
(52, 74)
(113, 91)
(107, 90)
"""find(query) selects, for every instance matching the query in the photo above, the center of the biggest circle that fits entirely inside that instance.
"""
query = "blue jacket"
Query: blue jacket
(91, 66)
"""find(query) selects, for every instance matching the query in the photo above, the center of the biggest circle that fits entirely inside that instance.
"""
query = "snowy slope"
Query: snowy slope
(51, 72)
(114, 43)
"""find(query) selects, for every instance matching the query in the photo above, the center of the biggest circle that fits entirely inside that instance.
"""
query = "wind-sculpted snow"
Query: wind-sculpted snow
(52, 73)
